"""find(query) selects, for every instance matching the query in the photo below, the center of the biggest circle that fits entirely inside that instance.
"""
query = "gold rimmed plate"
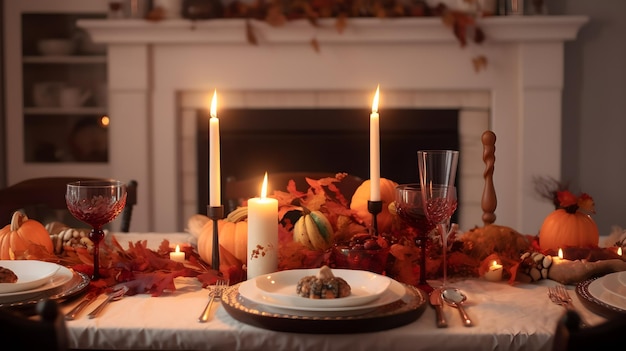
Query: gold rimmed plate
(401, 311)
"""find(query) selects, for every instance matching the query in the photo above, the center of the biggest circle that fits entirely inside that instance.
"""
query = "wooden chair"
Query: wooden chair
(43, 199)
(46, 331)
(570, 337)
(238, 191)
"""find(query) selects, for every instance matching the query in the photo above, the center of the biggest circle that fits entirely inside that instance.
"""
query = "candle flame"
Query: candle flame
(560, 253)
(214, 105)
(619, 250)
(375, 102)
(494, 263)
(177, 248)
(264, 187)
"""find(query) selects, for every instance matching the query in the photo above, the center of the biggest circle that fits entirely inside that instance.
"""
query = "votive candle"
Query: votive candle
(375, 149)
(494, 274)
(177, 255)
(262, 234)
(214, 155)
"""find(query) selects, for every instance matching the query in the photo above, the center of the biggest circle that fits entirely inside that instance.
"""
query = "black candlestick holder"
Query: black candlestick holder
(374, 207)
(215, 213)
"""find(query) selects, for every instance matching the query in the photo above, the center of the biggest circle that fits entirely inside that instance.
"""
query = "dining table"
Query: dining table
(505, 316)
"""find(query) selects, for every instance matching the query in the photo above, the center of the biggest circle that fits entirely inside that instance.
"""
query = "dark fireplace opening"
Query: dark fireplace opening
(255, 141)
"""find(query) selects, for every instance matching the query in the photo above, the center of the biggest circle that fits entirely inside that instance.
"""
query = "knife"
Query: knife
(437, 302)
(71, 315)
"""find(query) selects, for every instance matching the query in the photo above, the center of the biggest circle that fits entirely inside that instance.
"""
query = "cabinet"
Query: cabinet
(56, 91)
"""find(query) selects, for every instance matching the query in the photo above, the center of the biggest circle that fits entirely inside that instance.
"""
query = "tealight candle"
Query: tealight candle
(262, 234)
(177, 255)
(375, 150)
(494, 274)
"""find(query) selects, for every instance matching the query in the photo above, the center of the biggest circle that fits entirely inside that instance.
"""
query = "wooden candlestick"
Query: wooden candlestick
(489, 200)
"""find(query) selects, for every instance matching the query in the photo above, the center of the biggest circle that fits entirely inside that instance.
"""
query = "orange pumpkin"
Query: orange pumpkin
(232, 236)
(561, 229)
(387, 196)
(20, 234)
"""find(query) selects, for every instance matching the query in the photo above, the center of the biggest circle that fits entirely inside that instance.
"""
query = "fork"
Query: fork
(561, 297)
(215, 294)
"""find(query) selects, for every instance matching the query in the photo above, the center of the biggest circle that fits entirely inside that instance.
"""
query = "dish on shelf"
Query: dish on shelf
(56, 47)
(30, 274)
(281, 286)
(58, 279)
(249, 290)
(603, 295)
(405, 309)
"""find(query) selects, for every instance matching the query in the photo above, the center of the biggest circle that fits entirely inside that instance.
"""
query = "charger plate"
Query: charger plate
(592, 295)
(404, 310)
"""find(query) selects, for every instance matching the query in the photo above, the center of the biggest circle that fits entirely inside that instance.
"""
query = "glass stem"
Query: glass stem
(444, 249)
(96, 236)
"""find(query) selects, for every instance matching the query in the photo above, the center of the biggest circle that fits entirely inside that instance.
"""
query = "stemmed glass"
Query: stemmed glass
(96, 203)
(410, 209)
(437, 169)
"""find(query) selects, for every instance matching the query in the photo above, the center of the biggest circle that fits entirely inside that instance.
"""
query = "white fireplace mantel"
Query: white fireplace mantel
(160, 70)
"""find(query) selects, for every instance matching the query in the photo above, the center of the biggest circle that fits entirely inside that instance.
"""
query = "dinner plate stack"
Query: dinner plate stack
(38, 280)
(607, 292)
(376, 302)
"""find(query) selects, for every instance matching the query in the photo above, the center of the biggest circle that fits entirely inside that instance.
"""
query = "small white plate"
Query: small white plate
(30, 274)
(281, 286)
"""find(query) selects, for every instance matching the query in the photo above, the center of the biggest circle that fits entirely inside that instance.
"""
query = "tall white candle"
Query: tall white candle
(214, 156)
(375, 150)
(262, 234)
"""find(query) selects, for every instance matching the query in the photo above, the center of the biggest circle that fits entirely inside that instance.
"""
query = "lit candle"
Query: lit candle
(177, 255)
(375, 150)
(494, 274)
(560, 253)
(619, 250)
(214, 155)
(262, 234)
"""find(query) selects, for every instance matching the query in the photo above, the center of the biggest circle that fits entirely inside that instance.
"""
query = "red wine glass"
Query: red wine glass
(410, 209)
(96, 203)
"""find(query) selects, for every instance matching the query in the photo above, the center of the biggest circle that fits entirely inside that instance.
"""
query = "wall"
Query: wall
(3, 165)
(594, 107)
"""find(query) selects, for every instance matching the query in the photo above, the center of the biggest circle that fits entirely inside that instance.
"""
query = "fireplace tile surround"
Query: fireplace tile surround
(160, 74)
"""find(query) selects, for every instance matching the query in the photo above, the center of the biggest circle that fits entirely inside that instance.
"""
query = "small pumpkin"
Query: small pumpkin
(313, 230)
(232, 235)
(20, 234)
(387, 195)
(561, 229)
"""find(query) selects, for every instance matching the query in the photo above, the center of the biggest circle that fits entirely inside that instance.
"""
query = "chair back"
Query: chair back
(46, 331)
(43, 199)
(238, 191)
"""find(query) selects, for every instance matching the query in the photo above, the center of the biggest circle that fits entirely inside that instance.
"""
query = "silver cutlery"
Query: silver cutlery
(113, 296)
(71, 315)
(215, 294)
(561, 297)
(437, 303)
(455, 297)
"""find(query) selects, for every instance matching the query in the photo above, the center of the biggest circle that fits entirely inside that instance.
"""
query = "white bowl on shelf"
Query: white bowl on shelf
(56, 47)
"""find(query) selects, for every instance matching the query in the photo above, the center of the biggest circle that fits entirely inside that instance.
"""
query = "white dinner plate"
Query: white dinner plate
(621, 276)
(604, 289)
(249, 290)
(281, 286)
(30, 274)
(62, 276)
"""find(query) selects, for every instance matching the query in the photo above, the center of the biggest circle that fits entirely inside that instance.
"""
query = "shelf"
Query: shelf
(65, 111)
(93, 59)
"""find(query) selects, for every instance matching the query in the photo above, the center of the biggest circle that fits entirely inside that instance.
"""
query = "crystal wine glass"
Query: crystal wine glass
(96, 203)
(410, 209)
(437, 170)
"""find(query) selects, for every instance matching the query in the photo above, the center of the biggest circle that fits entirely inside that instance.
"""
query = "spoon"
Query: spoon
(455, 298)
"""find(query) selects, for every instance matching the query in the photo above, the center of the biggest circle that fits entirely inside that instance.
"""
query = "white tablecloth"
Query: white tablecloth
(506, 317)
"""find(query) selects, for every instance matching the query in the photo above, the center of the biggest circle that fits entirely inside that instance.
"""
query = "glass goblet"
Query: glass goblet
(410, 208)
(96, 203)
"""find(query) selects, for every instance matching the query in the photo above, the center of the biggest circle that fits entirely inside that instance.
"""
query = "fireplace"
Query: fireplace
(254, 141)
(161, 74)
